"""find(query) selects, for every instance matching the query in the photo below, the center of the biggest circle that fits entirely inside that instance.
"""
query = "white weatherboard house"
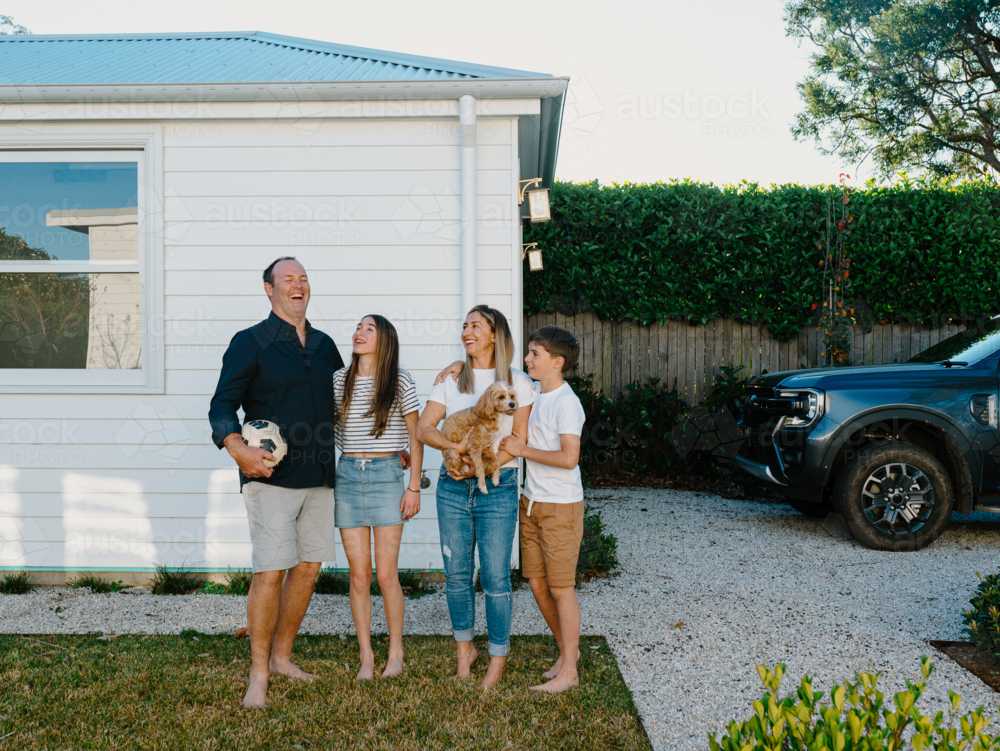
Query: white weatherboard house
(146, 181)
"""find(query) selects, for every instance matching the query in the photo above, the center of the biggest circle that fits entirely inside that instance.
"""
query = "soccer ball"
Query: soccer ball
(266, 435)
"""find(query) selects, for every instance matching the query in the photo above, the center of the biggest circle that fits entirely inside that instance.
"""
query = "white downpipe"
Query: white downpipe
(469, 192)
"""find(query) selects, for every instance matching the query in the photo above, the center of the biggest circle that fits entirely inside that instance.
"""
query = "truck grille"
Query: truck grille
(752, 418)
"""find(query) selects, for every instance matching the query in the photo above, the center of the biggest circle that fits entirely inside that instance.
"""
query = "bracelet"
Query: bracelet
(412, 490)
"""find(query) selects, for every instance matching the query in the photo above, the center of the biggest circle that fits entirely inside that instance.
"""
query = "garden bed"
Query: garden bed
(981, 664)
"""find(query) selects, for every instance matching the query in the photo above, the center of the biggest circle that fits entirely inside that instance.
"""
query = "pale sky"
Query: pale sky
(659, 89)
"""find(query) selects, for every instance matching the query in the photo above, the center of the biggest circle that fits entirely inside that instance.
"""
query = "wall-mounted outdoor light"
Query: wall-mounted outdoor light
(538, 200)
(534, 254)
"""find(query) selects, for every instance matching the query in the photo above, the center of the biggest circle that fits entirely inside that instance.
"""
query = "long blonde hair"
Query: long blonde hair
(385, 393)
(503, 349)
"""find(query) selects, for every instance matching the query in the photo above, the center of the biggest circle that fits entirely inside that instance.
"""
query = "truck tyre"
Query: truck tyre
(894, 497)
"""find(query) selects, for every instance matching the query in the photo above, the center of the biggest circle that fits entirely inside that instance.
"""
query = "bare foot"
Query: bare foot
(367, 671)
(465, 660)
(565, 680)
(493, 673)
(394, 666)
(256, 691)
(288, 668)
(553, 671)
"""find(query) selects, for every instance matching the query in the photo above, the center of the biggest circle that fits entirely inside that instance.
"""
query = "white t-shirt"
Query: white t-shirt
(556, 413)
(453, 400)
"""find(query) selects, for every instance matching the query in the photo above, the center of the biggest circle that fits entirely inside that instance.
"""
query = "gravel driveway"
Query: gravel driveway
(708, 589)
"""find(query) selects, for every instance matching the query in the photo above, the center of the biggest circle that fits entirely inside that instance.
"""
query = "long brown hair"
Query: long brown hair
(386, 372)
(503, 349)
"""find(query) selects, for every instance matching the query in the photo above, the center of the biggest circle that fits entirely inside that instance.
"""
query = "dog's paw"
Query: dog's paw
(482, 487)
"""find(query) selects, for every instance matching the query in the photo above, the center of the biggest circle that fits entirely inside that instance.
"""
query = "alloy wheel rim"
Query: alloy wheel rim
(897, 498)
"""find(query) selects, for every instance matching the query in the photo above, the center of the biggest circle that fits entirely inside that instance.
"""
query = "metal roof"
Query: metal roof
(233, 57)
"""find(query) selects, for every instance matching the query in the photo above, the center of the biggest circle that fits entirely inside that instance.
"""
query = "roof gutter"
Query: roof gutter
(293, 91)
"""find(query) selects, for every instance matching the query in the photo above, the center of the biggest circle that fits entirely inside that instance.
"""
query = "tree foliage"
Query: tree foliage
(913, 83)
(9, 26)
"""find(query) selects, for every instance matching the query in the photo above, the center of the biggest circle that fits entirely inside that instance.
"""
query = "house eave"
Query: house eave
(293, 91)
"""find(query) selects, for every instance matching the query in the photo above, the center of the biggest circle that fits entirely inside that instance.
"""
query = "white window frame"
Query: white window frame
(145, 148)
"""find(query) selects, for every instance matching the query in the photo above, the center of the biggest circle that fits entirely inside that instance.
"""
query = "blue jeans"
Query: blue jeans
(467, 518)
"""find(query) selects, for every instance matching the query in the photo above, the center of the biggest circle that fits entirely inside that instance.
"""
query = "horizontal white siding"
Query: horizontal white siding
(371, 208)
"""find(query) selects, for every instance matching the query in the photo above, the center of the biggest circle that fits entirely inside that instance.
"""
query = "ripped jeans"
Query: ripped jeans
(467, 518)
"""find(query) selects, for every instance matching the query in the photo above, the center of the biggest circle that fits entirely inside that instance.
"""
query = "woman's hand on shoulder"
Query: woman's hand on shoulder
(452, 370)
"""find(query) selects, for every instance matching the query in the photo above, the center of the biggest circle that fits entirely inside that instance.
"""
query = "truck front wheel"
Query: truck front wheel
(894, 497)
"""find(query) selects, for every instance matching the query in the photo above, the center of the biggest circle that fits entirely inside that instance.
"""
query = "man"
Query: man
(281, 370)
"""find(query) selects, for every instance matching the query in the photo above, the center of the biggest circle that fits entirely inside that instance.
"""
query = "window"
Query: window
(79, 297)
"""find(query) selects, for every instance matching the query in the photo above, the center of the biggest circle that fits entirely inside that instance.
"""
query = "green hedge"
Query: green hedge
(690, 251)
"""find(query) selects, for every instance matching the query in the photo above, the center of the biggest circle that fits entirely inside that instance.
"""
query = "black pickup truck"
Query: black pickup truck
(893, 449)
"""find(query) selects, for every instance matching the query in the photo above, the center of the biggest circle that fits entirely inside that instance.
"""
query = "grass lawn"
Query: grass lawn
(180, 692)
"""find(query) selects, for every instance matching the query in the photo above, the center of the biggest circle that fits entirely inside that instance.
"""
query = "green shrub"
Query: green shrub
(689, 251)
(330, 582)
(19, 583)
(238, 581)
(414, 585)
(855, 719)
(96, 584)
(631, 431)
(177, 582)
(983, 620)
(598, 551)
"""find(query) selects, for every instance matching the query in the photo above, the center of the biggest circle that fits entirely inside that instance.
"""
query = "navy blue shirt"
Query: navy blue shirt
(268, 373)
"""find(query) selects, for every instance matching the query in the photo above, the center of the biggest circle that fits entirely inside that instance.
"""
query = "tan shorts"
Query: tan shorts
(550, 541)
(289, 526)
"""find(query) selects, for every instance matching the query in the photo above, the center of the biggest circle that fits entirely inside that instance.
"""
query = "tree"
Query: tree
(9, 26)
(913, 83)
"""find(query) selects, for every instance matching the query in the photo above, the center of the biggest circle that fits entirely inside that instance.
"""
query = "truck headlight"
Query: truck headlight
(807, 407)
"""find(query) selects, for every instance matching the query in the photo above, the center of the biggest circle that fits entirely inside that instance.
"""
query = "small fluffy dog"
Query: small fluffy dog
(484, 420)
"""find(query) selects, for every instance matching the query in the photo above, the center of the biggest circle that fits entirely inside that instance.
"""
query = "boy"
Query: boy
(551, 512)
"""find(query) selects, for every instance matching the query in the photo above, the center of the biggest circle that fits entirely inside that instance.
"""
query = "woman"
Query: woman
(466, 517)
(377, 417)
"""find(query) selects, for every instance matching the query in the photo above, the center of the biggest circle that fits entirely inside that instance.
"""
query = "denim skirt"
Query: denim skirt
(368, 492)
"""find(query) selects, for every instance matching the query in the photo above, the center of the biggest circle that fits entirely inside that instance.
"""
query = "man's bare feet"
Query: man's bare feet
(553, 671)
(256, 691)
(562, 682)
(288, 668)
(493, 673)
(367, 671)
(466, 657)
(394, 666)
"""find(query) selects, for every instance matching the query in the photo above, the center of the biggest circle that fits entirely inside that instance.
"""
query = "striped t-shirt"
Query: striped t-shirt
(353, 432)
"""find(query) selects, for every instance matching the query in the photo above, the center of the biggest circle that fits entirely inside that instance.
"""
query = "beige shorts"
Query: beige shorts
(289, 526)
(550, 541)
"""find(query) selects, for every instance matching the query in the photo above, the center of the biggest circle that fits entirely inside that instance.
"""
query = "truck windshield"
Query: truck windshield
(976, 342)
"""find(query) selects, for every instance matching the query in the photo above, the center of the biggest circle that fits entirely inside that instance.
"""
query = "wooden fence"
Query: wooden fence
(688, 357)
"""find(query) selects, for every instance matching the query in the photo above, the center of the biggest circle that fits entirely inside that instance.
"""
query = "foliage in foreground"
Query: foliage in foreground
(17, 583)
(983, 620)
(857, 718)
